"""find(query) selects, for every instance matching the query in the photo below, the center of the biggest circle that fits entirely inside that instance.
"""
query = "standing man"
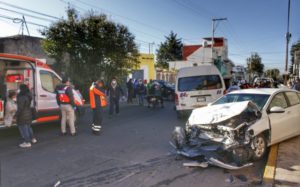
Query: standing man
(140, 90)
(97, 101)
(65, 100)
(130, 90)
(114, 92)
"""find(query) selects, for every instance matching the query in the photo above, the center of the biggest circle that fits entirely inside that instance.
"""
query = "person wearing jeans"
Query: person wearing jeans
(24, 116)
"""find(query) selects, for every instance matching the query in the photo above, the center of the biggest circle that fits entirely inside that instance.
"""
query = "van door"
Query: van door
(198, 91)
(47, 81)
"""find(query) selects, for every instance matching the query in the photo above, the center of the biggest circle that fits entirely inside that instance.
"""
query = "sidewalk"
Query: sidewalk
(287, 171)
(283, 165)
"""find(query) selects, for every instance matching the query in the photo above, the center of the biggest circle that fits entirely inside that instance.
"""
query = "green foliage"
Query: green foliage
(273, 73)
(295, 47)
(90, 47)
(254, 64)
(170, 50)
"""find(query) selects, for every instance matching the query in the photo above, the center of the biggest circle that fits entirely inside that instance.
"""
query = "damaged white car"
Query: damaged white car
(237, 128)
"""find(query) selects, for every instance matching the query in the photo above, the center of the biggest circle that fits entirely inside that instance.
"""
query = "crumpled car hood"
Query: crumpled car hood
(218, 113)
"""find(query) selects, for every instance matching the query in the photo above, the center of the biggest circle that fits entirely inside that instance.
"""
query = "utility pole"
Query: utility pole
(214, 27)
(151, 47)
(288, 37)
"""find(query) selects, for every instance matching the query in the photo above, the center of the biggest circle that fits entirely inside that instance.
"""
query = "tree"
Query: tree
(90, 47)
(295, 47)
(170, 50)
(254, 65)
(273, 73)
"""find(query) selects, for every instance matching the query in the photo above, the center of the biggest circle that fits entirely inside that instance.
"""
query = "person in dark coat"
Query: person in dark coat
(114, 92)
(130, 90)
(140, 90)
(24, 116)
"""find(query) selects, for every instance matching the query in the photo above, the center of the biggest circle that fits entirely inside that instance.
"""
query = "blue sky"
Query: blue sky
(252, 26)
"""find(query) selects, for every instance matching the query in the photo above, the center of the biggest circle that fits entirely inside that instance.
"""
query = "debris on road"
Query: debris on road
(196, 164)
(57, 184)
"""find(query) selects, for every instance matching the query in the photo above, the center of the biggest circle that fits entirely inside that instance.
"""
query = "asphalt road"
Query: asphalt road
(132, 150)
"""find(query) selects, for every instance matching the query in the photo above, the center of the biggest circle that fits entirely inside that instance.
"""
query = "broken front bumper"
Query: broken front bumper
(213, 153)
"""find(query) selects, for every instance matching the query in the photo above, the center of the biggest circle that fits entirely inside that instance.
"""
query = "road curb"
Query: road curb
(270, 168)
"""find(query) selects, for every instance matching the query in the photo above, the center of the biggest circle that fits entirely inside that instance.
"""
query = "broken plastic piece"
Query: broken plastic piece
(196, 164)
(218, 163)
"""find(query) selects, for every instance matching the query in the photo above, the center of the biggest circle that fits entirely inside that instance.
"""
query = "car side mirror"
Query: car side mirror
(277, 109)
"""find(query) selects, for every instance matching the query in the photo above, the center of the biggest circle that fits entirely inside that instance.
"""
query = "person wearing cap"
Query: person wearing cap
(97, 102)
(65, 100)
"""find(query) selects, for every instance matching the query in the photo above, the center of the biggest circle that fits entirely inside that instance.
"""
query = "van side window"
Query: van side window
(49, 81)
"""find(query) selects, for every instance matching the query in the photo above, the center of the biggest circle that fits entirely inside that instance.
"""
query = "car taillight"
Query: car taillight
(176, 99)
(224, 92)
(1, 106)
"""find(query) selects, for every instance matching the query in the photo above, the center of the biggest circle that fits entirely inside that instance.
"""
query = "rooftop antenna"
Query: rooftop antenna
(23, 24)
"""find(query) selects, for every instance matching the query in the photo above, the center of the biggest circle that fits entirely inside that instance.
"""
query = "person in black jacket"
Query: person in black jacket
(130, 90)
(114, 92)
(65, 100)
(24, 116)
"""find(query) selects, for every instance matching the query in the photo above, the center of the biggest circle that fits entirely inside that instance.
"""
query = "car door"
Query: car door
(279, 122)
(294, 109)
(46, 103)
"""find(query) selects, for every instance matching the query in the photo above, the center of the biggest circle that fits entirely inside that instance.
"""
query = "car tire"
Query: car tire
(259, 145)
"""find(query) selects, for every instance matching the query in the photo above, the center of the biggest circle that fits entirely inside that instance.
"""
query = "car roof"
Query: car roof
(266, 91)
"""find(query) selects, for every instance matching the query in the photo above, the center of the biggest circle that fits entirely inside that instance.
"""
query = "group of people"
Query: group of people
(19, 107)
(142, 90)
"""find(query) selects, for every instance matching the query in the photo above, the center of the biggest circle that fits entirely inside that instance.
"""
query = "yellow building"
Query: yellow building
(147, 65)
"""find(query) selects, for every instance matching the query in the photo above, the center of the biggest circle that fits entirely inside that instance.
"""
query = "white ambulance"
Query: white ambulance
(196, 87)
(42, 81)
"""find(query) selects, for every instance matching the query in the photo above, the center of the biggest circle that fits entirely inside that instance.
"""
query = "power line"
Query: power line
(25, 14)
(190, 8)
(125, 17)
(18, 19)
(28, 10)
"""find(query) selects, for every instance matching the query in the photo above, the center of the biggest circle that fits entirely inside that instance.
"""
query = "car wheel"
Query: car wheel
(259, 144)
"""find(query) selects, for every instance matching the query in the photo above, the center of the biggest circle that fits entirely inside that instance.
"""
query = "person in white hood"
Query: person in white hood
(10, 108)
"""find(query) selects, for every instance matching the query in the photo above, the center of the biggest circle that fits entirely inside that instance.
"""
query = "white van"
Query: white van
(42, 81)
(196, 87)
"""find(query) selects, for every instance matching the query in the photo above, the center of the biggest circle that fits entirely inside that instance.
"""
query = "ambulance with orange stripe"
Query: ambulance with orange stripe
(40, 78)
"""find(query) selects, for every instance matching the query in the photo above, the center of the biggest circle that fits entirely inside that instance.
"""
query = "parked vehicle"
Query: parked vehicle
(196, 87)
(238, 127)
(41, 80)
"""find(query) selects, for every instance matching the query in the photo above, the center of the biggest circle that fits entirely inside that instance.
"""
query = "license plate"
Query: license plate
(201, 99)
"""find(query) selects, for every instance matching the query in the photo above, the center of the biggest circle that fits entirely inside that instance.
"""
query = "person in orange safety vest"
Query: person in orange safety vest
(97, 102)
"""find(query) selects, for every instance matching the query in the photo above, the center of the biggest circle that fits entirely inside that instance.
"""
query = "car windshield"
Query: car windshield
(203, 82)
(259, 99)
